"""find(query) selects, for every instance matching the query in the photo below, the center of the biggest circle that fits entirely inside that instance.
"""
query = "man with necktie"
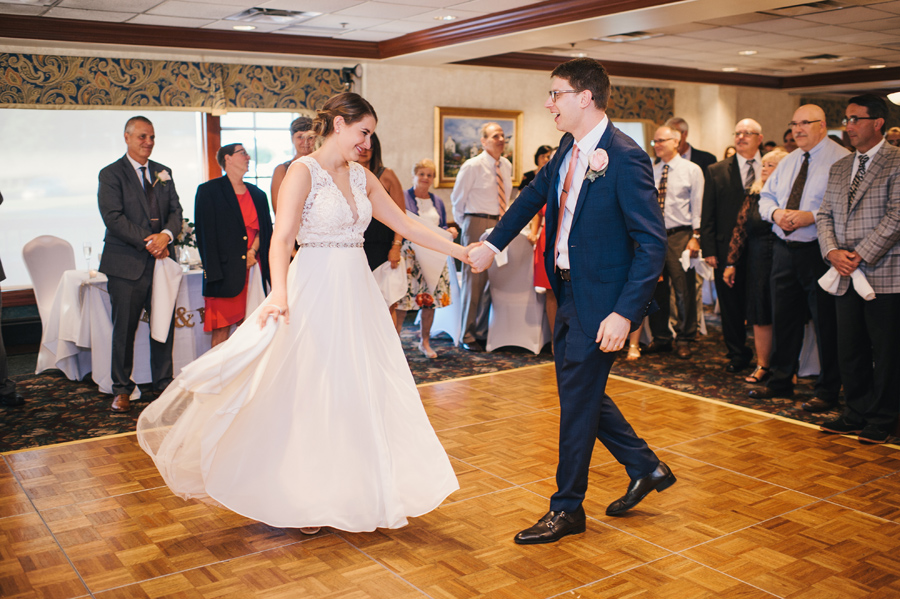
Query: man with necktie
(8, 396)
(790, 200)
(480, 196)
(727, 185)
(679, 184)
(608, 245)
(140, 208)
(859, 230)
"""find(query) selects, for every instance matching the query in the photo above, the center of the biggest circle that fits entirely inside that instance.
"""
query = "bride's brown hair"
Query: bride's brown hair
(352, 107)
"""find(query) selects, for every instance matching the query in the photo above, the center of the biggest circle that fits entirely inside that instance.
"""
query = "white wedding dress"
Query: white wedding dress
(313, 423)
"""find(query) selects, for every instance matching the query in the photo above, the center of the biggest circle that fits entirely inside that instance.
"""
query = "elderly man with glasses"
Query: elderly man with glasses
(790, 200)
(679, 185)
(727, 185)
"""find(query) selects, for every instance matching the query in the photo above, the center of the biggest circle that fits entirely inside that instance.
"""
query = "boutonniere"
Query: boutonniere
(163, 177)
(597, 165)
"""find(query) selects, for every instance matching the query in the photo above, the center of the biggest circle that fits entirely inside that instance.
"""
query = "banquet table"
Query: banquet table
(77, 337)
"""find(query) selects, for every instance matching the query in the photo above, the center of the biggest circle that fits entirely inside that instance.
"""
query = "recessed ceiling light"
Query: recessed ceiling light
(747, 52)
(445, 18)
(877, 66)
(578, 54)
(729, 69)
(634, 36)
(243, 27)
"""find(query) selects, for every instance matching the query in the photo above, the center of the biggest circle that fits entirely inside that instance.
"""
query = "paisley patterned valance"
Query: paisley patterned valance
(656, 104)
(42, 81)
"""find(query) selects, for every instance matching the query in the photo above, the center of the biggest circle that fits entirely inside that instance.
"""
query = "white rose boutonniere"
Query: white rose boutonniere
(162, 177)
(597, 165)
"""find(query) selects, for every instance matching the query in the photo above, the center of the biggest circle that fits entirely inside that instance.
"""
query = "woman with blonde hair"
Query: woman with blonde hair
(755, 235)
(419, 295)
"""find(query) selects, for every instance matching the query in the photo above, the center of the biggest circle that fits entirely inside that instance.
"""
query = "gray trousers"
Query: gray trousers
(685, 287)
(7, 387)
(475, 292)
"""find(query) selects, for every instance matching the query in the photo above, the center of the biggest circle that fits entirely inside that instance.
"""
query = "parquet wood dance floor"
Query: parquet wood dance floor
(763, 507)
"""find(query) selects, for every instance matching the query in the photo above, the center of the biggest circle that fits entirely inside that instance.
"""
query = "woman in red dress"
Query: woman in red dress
(538, 236)
(234, 229)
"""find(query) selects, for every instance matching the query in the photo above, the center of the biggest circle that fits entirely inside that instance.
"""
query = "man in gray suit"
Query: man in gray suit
(140, 208)
(8, 395)
(859, 230)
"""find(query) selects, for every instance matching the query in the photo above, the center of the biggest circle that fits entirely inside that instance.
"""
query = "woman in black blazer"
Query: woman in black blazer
(234, 229)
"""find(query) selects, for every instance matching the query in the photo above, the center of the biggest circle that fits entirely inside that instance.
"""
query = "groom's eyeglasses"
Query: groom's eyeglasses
(554, 93)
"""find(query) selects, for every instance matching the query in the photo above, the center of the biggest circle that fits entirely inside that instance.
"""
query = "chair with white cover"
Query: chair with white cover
(46, 259)
(517, 310)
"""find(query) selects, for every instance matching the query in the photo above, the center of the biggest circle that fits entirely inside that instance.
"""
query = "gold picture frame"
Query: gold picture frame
(457, 138)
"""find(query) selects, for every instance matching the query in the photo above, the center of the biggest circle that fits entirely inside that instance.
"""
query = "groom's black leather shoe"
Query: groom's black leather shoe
(660, 479)
(552, 527)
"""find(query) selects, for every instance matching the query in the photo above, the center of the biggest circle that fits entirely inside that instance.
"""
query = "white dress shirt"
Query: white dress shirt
(586, 145)
(146, 180)
(742, 166)
(777, 190)
(871, 154)
(475, 190)
(684, 192)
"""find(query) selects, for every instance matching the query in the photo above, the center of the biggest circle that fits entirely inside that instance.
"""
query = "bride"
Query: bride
(308, 415)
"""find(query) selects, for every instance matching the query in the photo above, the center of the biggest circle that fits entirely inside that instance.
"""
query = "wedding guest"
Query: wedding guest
(480, 196)
(381, 243)
(893, 136)
(538, 237)
(755, 235)
(304, 140)
(789, 143)
(142, 214)
(430, 208)
(729, 152)
(8, 396)
(699, 157)
(233, 233)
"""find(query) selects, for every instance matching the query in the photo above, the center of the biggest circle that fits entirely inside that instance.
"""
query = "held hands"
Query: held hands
(844, 262)
(712, 261)
(791, 220)
(480, 257)
(157, 245)
(613, 332)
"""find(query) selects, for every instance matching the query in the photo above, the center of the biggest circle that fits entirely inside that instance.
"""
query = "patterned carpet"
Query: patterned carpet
(59, 410)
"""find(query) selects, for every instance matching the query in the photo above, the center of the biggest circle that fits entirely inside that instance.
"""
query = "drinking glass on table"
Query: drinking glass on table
(86, 248)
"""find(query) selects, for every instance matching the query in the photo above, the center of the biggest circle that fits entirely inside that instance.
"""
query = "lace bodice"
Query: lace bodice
(327, 217)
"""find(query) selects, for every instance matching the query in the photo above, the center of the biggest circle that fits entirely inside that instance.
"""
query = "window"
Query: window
(267, 138)
(49, 174)
(638, 130)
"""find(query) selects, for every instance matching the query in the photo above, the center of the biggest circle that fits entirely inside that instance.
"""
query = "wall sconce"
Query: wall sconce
(348, 73)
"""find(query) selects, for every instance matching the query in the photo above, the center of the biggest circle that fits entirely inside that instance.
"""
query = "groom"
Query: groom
(604, 255)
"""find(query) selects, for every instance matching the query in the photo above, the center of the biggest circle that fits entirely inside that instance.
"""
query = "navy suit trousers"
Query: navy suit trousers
(587, 412)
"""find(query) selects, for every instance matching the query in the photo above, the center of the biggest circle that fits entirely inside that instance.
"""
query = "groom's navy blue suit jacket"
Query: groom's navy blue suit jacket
(617, 242)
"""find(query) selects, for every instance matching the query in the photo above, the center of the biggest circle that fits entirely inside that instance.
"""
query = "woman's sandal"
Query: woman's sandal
(760, 375)
(428, 352)
(310, 530)
(634, 352)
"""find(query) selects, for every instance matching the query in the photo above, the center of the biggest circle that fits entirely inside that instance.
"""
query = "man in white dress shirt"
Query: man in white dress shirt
(679, 183)
(790, 200)
(480, 197)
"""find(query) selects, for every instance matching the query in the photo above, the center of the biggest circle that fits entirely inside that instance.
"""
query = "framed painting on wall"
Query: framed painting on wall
(457, 138)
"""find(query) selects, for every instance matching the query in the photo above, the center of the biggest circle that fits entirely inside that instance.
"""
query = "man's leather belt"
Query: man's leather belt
(674, 230)
(490, 216)
(794, 245)
(565, 274)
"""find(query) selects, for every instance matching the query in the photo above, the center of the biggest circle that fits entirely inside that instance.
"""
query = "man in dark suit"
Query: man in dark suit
(702, 159)
(8, 395)
(605, 250)
(727, 184)
(140, 208)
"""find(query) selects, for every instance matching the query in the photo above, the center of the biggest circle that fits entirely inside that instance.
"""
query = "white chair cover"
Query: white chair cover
(517, 310)
(47, 258)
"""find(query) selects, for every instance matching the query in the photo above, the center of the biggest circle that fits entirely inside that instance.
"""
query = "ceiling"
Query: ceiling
(856, 40)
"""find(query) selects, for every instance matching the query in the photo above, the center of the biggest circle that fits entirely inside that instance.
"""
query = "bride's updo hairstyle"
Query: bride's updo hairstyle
(352, 107)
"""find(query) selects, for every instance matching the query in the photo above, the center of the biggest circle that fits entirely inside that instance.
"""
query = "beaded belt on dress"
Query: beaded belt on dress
(332, 244)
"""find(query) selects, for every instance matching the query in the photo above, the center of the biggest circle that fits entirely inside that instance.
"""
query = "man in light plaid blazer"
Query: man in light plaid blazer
(859, 228)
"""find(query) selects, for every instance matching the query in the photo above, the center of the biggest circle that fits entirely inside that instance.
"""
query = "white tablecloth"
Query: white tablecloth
(77, 336)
